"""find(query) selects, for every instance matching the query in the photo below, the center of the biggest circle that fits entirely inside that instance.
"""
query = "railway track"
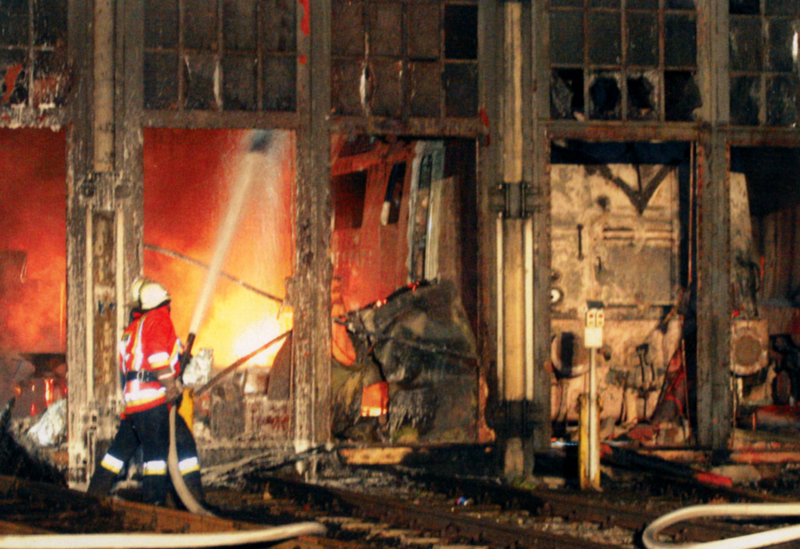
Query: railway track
(365, 509)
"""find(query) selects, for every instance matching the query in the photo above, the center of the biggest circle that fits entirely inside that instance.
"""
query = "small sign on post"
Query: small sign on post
(589, 440)
(593, 335)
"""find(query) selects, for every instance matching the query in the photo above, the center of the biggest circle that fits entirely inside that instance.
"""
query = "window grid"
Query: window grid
(764, 80)
(426, 68)
(33, 54)
(233, 55)
(617, 60)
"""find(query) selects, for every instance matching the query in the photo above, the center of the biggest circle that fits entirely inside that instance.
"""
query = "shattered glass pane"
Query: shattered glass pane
(566, 37)
(566, 93)
(160, 81)
(239, 24)
(642, 39)
(680, 40)
(461, 32)
(781, 7)
(200, 24)
(425, 82)
(680, 5)
(199, 73)
(345, 84)
(385, 24)
(423, 42)
(50, 22)
(11, 63)
(642, 4)
(161, 23)
(277, 26)
(347, 28)
(14, 23)
(239, 83)
(744, 100)
(604, 38)
(279, 83)
(387, 98)
(781, 34)
(745, 43)
(461, 90)
(782, 108)
(681, 96)
(642, 103)
(605, 97)
(745, 7)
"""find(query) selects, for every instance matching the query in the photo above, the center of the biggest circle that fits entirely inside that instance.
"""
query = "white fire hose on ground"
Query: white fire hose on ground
(146, 540)
(727, 510)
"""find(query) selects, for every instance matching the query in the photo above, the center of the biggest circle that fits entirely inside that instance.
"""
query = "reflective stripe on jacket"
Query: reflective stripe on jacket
(149, 344)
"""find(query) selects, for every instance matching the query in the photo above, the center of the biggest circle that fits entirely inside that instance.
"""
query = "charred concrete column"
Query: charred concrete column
(79, 164)
(104, 213)
(311, 339)
(539, 206)
(714, 377)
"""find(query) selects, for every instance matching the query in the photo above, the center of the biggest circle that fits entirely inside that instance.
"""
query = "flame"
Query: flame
(258, 334)
(48, 391)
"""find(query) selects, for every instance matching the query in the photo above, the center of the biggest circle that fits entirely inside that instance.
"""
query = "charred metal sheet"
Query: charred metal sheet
(615, 235)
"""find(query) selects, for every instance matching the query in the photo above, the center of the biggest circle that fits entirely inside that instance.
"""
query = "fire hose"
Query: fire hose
(730, 510)
(143, 540)
(187, 398)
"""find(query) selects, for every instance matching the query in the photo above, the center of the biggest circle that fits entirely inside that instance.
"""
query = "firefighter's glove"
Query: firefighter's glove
(173, 389)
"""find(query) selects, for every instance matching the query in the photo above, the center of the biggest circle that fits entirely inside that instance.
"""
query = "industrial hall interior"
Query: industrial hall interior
(526, 227)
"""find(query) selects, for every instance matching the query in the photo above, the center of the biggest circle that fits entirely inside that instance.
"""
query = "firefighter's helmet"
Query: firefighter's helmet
(152, 294)
(136, 290)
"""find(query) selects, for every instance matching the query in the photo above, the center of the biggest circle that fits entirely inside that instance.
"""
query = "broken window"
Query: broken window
(222, 55)
(605, 97)
(641, 96)
(34, 60)
(624, 52)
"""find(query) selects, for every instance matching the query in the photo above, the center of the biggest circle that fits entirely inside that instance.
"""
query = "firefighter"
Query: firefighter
(150, 363)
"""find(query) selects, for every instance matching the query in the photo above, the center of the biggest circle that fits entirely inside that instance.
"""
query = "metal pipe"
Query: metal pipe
(144, 540)
(501, 370)
(593, 464)
(223, 274)
(529, 307)
(728, 510)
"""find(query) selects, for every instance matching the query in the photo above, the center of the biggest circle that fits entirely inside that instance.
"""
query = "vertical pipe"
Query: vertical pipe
(103, 86)
(89, 335)
(501, 360)
(529, 309)
(589, 441)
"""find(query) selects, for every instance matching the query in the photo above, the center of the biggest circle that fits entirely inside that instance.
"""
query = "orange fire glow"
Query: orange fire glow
(189, 176)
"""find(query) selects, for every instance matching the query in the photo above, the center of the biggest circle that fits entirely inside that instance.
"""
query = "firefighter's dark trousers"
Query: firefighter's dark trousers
(150, 430)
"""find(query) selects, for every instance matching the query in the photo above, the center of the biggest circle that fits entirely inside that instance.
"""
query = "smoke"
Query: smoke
(32, 240)
(191, 182)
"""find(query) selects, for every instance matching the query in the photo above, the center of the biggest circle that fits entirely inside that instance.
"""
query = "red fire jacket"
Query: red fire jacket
(149, 351)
